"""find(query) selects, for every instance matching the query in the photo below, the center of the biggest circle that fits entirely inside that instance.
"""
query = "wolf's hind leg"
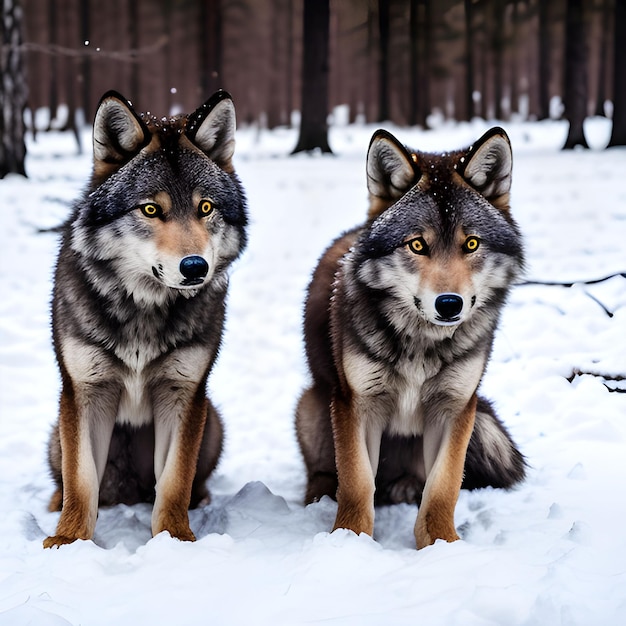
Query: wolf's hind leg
(315, 436)
(129, 474)
(54, 461)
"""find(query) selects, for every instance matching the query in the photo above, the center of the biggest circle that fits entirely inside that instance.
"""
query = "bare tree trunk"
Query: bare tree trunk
(514, 104)
(544, 61)
(414, 84)
(419, 61)
(210, 47)
(618, 135)
(383, 60)
(575, 75)
(71, 123)
(603, 61)
(289, 70)
(69, 69)
(497, 33)
(133, 37)
(315, 71)
(372, 76)
(53, 91)
(275, 111)
(469, 60)
(425, 82)
(86, 62)
(484, 50)
(12, 91)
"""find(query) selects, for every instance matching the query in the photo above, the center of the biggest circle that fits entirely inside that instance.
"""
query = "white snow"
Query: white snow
(552, 551)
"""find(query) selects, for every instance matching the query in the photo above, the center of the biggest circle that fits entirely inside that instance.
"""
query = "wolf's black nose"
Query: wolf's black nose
(194, 267)
(449, 306)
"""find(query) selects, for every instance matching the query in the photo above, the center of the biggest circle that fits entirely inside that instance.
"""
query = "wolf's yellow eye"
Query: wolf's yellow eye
(418, 245)
(151, 210)
(471, 244)
(204, 208)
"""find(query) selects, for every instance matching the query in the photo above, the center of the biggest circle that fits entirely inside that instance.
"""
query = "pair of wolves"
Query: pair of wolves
(399, 323)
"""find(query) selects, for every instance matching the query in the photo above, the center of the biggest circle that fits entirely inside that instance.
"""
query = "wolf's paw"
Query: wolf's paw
(183, 535)
(57, 540)
(177, 529)
(430, 527)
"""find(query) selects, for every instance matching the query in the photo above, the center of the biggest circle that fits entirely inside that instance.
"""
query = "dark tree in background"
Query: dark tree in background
(543, 55)
(498, 44)
(420, 28)
(85, 65)
(210, 49)
(469, 59)
(604, 53)
(383, 60)
(399, 61)
(52, 34)
(575, 99)
(133, 33)
(12, 91)
(618, 135)
(315, 70)
(280, 63)
(514, 78)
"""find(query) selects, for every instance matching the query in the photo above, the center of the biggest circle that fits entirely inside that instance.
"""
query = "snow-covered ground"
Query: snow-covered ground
(551, 552)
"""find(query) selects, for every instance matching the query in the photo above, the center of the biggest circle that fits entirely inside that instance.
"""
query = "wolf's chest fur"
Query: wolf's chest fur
(398, 386)
(136, 355)
(135, 349)
(135, 407)
(402, 372)
(405, 389)
(140, 377)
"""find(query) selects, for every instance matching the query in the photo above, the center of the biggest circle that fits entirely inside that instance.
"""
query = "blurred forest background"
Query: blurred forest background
(385, 60)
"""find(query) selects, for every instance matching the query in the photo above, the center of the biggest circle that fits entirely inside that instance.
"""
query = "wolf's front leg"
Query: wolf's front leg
(177, 444)
(86, 420)
(355, 467)
(445, 447)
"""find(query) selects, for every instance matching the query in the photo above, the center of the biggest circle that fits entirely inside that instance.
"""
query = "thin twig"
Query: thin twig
(570, 284)
(616, 378)
(126, 56)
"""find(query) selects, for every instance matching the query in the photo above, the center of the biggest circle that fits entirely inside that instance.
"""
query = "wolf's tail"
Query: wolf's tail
(492, 457)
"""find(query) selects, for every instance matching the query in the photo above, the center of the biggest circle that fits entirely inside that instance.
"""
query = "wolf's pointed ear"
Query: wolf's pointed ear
(212, 129)
(118, 132)
(487, 167)
(391, 171)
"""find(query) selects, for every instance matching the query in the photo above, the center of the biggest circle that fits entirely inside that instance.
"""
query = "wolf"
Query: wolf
(138, 310)
(399, 324)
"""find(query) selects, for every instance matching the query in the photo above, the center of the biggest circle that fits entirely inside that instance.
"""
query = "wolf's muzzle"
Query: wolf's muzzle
(448, 307)
(194, 268)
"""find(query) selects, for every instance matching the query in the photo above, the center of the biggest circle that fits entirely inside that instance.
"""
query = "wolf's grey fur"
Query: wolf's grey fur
(138, 307)
(403, 339)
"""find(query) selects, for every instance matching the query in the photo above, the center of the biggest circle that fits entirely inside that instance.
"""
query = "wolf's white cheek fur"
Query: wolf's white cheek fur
(495, 274)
